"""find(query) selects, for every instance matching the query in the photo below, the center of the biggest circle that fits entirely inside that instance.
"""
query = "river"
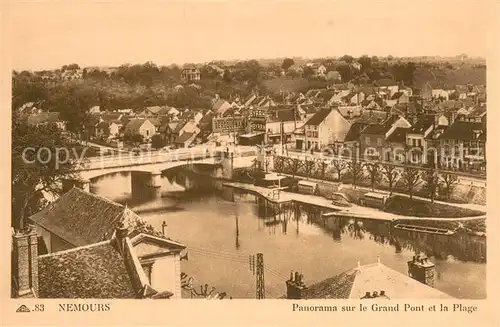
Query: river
(221, 235)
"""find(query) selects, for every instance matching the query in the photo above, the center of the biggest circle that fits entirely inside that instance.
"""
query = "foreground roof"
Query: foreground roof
(355, 283)
(95, 271)
(81, 218)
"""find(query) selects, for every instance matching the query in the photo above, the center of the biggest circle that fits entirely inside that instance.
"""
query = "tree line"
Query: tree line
(374, 173)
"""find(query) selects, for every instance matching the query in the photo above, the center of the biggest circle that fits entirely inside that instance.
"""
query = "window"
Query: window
(367, 140)
(147, 132)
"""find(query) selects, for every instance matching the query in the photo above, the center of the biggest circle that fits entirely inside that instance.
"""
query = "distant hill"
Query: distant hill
(451, 77)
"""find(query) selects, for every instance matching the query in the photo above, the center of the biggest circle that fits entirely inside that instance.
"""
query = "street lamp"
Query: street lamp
(163, 226)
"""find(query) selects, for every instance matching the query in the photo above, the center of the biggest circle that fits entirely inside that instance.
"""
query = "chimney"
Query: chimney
(421, 269)
(25, 261)
(120, 235)
(295, 287)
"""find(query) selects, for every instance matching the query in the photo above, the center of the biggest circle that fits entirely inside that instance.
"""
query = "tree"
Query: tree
(309, 165)
(307, 72)
(366, 63)
(374, 172)
(157, 141)
(39, 164)
(431, 181)
(449, 181)
(345, 72)
(322, 167)
(227, 77)
(135, 139)
(411, 178)
(390, 173)
(279, 163)
(287, 63)
(294, 165)
(339, 165)
(355, 169)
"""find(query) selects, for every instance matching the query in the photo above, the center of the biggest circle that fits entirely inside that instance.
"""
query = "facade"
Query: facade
(141, 126)
(373, 137)
(463, 146)
(325, 128)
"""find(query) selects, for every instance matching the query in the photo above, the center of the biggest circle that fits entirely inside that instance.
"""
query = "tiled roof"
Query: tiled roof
(207, 119)
(282, 115)
(96, 271)
(184, 137)
(355, 283)
(318, 117)
(338, 287)
(347, 111)
(110, 117)
(397, 95)
(180, 126)
(155, 121)
(374, 129)
(355, 131)
(385, 82)
(134, 124)
(398, 136)
(82, 218)
(464, 131)
(478, 111)
(372, 116)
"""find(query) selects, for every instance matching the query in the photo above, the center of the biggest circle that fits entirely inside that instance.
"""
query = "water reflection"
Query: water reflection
(222, 232)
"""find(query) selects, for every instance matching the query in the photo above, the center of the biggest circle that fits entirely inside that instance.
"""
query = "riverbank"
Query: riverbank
(355, 211)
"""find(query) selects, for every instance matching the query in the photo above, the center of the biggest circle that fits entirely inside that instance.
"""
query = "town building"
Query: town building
(190, 73)
(96, 239)
(140, 126)
(325, 128)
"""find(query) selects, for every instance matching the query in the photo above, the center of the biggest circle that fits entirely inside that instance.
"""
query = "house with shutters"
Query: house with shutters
(463, 145)
(373, 138)
(327, 127)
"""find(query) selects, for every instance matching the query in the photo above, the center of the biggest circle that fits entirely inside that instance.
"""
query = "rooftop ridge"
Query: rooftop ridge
(54, 254)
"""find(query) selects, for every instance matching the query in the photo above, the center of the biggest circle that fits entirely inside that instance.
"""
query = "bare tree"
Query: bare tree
(339, 165)
(279, 163)
(374, 173)
(390, 173)
(449, 181)
(431, 181)
(355, 169)
(309, 167)
(322, 168)
(411, 178)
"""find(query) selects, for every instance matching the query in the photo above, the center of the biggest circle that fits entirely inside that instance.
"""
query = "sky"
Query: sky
(49, 34)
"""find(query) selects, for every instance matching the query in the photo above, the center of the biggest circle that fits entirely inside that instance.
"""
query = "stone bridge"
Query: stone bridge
(223, 160)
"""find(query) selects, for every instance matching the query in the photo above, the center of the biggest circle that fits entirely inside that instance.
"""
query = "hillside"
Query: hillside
(450, 77)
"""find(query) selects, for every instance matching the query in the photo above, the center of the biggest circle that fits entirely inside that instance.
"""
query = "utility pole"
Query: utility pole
(260, 292)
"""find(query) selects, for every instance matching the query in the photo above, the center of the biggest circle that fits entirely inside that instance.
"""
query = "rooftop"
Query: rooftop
(319, 117)
(355, 283)
(81, 218)
(95, 271)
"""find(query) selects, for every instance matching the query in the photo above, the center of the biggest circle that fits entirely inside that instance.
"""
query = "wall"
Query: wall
(333, 128)
(58, 244)
(46, 236)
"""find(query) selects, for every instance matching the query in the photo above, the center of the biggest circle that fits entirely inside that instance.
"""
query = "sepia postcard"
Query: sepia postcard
(299, 163)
